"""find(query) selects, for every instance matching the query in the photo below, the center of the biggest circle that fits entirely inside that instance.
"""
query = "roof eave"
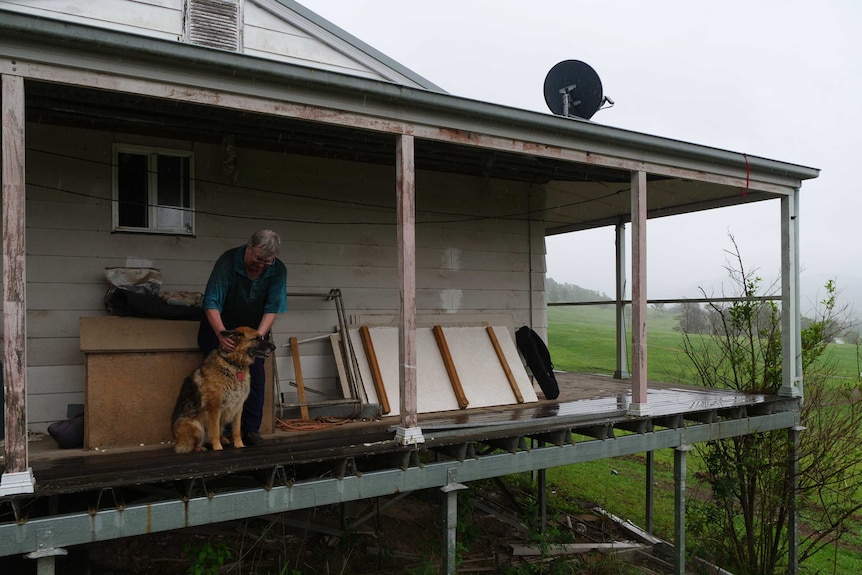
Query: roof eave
(124, 46)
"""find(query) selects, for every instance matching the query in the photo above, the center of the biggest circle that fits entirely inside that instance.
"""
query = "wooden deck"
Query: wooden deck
(590, 405)
(86, 496)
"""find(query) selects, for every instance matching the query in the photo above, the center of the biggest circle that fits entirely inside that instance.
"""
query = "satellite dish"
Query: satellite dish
(572, 88)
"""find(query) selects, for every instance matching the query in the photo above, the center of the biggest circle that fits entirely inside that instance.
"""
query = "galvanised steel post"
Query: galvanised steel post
(679, 474)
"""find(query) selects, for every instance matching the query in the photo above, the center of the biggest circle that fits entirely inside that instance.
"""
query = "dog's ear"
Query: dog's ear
(229, 333)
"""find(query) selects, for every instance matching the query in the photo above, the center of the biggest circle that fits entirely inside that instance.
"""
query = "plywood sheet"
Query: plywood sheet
(101, 334)
(479, 369)
(130, 397)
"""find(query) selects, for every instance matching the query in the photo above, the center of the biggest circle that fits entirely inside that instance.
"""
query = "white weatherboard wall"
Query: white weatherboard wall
(479, 369)
(154, 18)
(337, 221)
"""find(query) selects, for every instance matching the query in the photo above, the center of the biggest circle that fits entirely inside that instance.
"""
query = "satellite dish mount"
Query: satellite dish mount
(567, 98)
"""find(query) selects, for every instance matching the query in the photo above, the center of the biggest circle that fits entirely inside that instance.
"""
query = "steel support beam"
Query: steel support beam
(79, 528)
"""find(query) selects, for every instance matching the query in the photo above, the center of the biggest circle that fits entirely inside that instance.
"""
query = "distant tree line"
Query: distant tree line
(705, 319)
(557, 292)
(694, 318)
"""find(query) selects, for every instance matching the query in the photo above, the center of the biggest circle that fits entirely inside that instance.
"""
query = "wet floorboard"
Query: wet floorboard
(584, 400)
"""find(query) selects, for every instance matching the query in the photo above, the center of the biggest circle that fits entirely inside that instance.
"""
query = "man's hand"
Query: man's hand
(226, 342)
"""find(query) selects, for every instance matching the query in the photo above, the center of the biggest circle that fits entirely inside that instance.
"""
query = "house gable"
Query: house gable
(300, 36)
(280, 30)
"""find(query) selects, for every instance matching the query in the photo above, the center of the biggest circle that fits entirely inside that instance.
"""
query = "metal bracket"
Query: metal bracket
(186, 488)
(45, 546)
(410, 459)
(346, 465)
(18, 507)
(119, 502)
(278, 473)
(451, 482)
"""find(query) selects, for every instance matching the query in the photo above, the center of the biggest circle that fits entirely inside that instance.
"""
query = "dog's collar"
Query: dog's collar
(239, 366)
(240, 370)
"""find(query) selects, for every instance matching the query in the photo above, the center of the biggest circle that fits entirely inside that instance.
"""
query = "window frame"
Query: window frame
(152, 154)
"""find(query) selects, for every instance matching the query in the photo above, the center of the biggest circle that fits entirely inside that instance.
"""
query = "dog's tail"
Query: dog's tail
(188, 435)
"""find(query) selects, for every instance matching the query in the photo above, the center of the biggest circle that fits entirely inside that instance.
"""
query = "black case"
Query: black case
(538, 359)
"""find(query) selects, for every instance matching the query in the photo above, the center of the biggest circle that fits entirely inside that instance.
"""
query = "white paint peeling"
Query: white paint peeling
(133, 262)
(451, 258)
(450, 300)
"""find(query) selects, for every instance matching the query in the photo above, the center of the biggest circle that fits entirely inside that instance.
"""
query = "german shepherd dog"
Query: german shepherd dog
(213, 394)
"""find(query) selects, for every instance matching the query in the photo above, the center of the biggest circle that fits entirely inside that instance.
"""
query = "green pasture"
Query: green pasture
(583, 339)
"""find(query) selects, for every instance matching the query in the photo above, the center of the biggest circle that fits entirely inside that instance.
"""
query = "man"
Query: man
(247, 287)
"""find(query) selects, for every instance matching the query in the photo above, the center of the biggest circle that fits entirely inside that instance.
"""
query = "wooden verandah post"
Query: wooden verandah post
(639, 406)
(17, 477)
(405, 172)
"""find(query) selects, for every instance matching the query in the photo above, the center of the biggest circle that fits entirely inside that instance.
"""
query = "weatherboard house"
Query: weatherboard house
(148, 138)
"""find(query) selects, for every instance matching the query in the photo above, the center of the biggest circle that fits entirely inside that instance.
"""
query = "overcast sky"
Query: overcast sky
(780, 79)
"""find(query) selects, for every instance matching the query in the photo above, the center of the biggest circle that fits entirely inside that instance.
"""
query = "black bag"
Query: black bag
(68, 433)
(125, 303)
(538, 359)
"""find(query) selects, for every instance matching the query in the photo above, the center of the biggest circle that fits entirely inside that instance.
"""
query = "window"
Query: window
(153, 190)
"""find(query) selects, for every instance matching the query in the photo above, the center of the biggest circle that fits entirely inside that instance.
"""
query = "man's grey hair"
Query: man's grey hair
(267, 240)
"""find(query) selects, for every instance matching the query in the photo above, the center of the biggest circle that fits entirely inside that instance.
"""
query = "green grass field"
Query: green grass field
(582, 339)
